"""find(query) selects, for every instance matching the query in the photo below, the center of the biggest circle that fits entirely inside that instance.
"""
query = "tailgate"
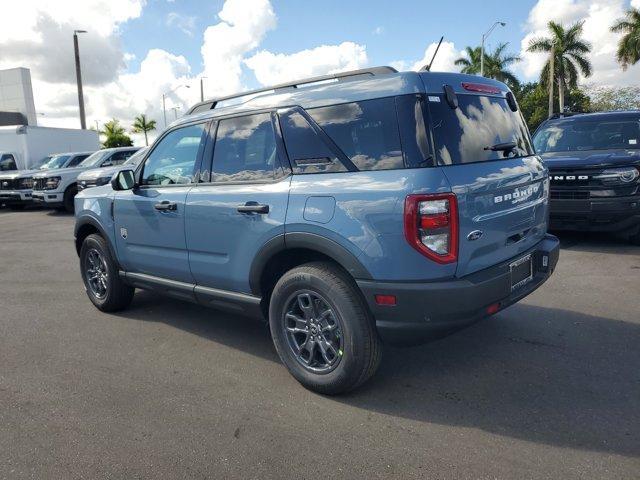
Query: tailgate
(502, 208)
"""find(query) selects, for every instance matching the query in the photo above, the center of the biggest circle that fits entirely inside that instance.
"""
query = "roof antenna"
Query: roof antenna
(428, 67)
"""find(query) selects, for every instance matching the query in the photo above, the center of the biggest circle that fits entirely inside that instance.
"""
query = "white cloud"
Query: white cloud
(598, 16)
(271, 68)
(184, 23)
(378, 30)
(635, 3)
(443, 62)
(244, 23)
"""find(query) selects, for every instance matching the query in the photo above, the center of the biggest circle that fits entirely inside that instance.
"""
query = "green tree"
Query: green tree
(533, 101)
(471, 62)
(142, 125)
(629, 45)
(115, 135)
(496, 64)
(568, 52)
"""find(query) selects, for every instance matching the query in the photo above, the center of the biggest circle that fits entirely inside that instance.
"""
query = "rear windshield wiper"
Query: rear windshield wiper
(502, 147)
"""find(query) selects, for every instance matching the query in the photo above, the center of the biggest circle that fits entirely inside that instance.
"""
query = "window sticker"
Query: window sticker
(633, 141)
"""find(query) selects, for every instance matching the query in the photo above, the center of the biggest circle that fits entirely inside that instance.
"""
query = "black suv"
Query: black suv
(594, 168)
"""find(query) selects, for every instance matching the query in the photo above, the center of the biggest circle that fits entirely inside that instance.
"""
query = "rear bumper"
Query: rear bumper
(15, 197)
(425, 311)
(596, 214)
(49, 199)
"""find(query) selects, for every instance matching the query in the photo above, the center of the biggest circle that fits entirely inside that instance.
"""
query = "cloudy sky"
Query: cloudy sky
(137, 49)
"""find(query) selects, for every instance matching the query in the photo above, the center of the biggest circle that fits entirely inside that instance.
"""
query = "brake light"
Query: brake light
(431, 225)
(480, 87)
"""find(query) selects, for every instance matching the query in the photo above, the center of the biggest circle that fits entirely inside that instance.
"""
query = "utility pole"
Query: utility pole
(551, 78)
(202, 89)
(83, 122)
(484, 37)
(164, 100)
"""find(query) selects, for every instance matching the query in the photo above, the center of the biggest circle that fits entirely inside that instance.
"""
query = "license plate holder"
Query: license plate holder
(521, 271)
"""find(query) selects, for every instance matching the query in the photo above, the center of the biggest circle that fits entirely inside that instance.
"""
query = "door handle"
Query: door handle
(166, 205)
(253, 207)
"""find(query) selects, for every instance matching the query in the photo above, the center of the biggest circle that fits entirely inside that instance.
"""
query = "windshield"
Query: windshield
(468, 133)
(94, 159)
(57, 161)
(134, 160)
(573, 135)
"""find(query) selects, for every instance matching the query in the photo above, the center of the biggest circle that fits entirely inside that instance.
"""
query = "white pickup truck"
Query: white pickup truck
(58, 188)
(16, 185)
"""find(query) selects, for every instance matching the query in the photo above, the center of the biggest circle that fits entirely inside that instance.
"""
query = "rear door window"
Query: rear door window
(367, 132)
(467, 133)
(245, 149)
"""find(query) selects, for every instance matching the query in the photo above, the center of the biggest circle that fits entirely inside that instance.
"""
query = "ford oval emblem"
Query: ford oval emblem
(475, 235)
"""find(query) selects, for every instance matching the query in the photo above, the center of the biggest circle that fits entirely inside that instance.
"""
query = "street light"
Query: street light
(484, 37)
(202, 89)
(164, 98)
(175, 112)
(83, 123)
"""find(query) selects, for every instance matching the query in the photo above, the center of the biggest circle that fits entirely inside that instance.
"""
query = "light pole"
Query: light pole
(175, 112)
(164, 98)
(484, 37)
(83, 122)
(202, 89)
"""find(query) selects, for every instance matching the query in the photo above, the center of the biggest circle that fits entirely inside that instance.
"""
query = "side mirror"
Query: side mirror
(123, 180)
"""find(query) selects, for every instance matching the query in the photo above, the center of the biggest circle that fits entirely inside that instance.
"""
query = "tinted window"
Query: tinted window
(462, 134)
(413, 131)
(173, 159)
(588, 134)
(307, 152)
(119, 158)
(76, 160)
(95, 158)
(245, 149)
(7, 162)
(367, 132)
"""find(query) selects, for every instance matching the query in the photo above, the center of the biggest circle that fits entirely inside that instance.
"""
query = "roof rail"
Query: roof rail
(373, 71)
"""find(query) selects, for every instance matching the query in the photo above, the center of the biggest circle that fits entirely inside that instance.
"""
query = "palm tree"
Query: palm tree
(115, 135)
(142, 125)
(567, 56)
(629, 45)
(471, 63)
(496, 64)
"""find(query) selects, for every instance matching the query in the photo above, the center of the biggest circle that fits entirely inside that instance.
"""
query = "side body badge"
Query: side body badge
(123, 232)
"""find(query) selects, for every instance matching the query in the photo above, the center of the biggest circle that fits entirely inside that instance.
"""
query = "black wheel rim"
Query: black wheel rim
(314, 331)
(96, 273)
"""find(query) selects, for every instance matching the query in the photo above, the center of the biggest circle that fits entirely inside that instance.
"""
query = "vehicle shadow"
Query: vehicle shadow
(596, 242)
(539, 374)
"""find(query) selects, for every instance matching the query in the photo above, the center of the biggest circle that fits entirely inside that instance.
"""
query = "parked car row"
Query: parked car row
(57, 180)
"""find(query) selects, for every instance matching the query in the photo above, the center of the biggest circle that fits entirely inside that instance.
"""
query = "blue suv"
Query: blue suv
(346, 210)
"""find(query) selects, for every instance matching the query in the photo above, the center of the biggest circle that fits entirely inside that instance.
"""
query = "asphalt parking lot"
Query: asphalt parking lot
(549, 388)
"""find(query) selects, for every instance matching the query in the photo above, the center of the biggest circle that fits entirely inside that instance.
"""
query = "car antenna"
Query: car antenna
(428, 67)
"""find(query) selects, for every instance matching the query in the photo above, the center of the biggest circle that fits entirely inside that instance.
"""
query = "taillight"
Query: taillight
(431, 225)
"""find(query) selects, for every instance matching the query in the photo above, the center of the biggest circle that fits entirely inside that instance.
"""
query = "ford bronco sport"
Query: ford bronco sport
(347, 210)
(594, 171)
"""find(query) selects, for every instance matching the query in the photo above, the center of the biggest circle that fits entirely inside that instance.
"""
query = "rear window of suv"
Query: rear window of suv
(575, 134)
(467, 133)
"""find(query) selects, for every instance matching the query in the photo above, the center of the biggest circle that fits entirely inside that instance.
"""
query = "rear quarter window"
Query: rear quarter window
(463, 134)
(367, 132)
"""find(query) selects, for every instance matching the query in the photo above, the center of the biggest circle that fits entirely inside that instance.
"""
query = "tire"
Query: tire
(69, 194)
(349, 329)
(117, 295)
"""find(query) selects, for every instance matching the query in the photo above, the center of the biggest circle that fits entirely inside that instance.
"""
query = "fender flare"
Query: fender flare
(86, 220)
(308, 241)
